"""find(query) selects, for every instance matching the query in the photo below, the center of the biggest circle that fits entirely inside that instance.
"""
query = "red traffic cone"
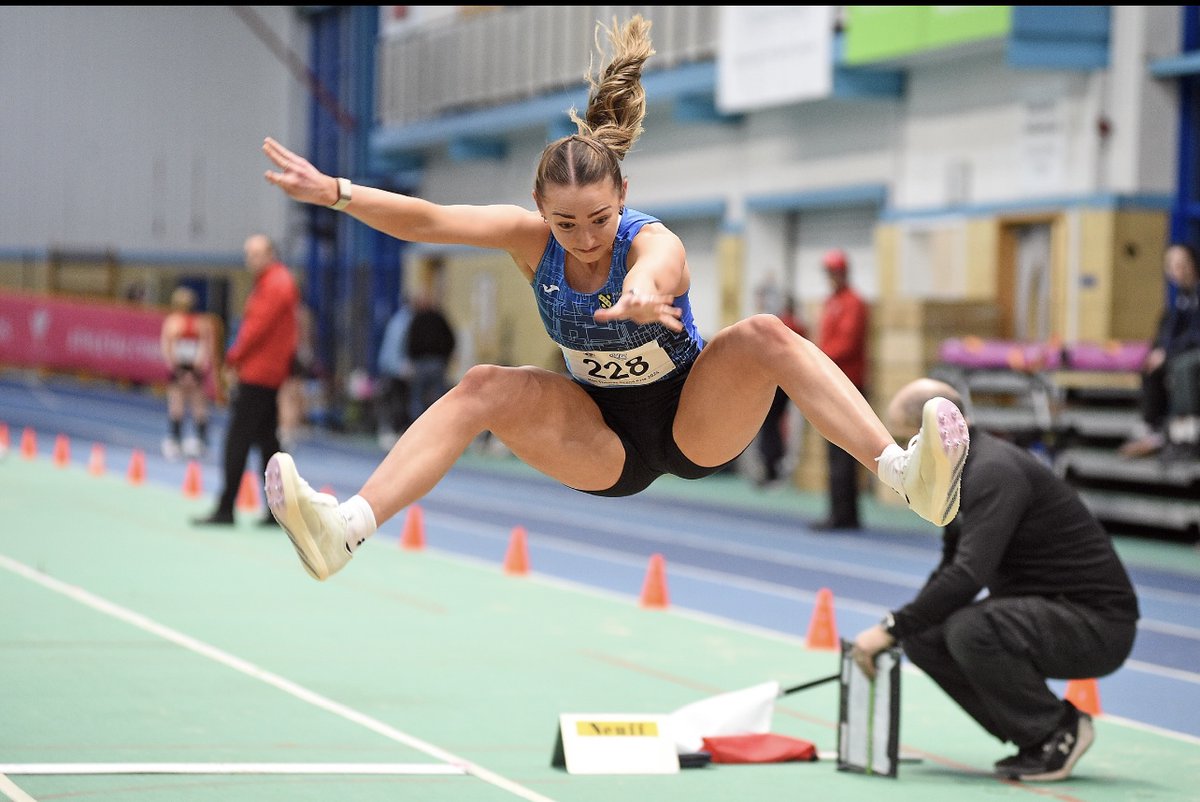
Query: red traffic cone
(249, 499)
(822, 629)
(96, 460)
(192, 480)
(62, 451)
(516, 560)
(137, 467)
(29, 443)
(1085, 695)
(3, 439)
(654, 589)
(413, 538)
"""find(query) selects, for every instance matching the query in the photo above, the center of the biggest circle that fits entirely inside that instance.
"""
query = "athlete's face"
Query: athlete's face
(584, 219)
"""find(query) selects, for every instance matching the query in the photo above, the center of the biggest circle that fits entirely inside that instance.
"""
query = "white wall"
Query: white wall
(140, 128)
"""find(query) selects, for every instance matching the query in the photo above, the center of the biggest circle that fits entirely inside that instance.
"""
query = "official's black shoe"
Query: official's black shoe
(1025, 755)
(832, 526)
(1054, 758)
(215, 519)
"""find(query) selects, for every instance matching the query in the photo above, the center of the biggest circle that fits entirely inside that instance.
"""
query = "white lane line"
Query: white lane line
(49, 769)
(12, 792)
(1163, 671)
(287, 686)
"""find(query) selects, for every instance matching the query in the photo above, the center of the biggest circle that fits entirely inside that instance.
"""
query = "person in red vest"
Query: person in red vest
(261, 359)
(842, 335)
(188, 347)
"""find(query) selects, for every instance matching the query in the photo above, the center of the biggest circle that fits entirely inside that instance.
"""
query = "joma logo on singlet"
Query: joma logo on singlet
(549, 288)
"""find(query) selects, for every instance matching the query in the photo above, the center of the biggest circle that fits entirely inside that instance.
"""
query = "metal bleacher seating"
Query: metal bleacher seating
(1074, 405)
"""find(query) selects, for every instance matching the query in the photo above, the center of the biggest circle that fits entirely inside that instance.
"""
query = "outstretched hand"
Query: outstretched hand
(643, 308)
(298, 178)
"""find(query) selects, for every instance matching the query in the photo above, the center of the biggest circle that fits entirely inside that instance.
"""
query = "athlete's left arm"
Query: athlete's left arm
(657, 274)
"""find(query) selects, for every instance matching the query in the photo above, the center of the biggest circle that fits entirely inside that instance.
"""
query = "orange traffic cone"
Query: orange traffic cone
(3, 438)
(29, 443)
(192, 480)
(413, 538)
(62, 451)
(249, 499)
(516, 561)
(96, 460)
(1085, 695)
(137, 467)
(654, 589)
(822, 629)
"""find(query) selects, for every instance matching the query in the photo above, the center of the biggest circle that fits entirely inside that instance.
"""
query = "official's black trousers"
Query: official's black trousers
(253, 422)
(843, 488)
(993, 658)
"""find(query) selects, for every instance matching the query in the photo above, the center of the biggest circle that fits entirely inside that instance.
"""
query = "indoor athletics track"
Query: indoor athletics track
(144, 659)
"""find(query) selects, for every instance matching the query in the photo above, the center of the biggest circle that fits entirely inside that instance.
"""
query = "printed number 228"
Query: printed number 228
(616, 370)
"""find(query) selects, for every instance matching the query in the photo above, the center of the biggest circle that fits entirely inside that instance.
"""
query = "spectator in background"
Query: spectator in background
(1170, 371)
(773, 437)
(1059, 602)
(430, 343)
(188, 343)
(842, 335)
(395, 377)
(261, 359)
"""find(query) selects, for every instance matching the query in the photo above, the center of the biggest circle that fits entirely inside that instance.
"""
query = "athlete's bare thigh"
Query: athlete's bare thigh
(729, 391)
(555, 427)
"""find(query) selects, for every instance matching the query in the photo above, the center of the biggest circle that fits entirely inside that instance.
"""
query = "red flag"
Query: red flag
(765, 747)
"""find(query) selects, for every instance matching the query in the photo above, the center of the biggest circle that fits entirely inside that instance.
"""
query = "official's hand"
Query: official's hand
(867, 644)
(643, 308)
(297, 177)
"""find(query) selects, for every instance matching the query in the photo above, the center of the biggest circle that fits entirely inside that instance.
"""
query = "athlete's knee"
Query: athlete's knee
(493, 389)
(484, 380)
(762, 337)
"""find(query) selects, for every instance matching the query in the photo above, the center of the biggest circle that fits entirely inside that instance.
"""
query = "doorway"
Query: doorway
(1026, 280)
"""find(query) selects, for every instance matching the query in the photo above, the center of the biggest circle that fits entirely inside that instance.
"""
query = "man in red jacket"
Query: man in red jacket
(261, 357)
(842, 335)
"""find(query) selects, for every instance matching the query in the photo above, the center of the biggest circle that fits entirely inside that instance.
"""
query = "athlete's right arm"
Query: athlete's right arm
(521, 232)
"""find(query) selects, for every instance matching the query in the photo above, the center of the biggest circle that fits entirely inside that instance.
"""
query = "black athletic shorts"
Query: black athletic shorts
(642, 418)
(179, 372)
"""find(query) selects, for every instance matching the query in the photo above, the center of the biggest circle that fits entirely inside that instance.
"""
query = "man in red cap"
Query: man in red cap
(842, 335)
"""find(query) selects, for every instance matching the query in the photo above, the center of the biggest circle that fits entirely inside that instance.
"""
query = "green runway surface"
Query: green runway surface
(130, 637)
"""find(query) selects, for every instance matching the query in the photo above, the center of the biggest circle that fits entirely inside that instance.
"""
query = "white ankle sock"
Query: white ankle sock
(360, 521)
(889, 472)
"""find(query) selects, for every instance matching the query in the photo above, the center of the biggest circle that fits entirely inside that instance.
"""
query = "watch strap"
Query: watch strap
(343, 185)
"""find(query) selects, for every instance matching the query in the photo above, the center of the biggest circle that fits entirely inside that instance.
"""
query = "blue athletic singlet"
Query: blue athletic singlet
(619, 353)
(634, 373)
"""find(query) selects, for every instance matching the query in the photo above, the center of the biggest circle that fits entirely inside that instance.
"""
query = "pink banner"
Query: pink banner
(108, 340)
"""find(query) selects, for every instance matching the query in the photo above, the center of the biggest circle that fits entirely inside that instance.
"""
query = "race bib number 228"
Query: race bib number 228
(642, 365)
